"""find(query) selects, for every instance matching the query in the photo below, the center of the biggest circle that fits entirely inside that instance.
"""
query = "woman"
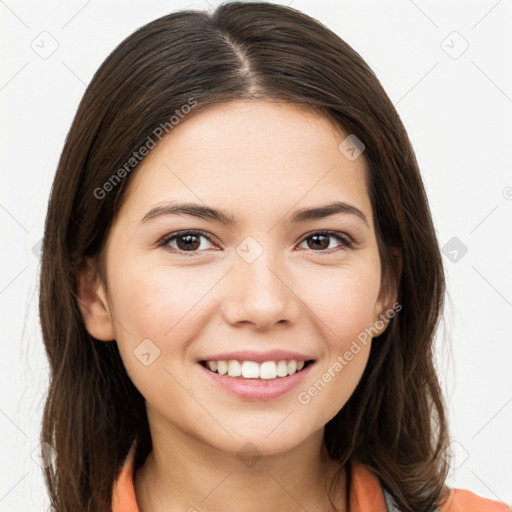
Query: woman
(208, 351)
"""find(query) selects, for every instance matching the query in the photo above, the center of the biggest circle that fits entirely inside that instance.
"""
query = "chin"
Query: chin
(270, 439)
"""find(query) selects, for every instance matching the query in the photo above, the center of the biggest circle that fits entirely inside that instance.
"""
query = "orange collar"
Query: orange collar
(365, 493)
(365, 489)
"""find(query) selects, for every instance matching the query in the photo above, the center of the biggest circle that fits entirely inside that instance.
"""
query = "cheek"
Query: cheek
(345, 304)
(344, 301)
(158, 311)
(332, 386)
(156, 302)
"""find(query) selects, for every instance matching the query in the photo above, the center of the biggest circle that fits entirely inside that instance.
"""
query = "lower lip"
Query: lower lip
(259, 389)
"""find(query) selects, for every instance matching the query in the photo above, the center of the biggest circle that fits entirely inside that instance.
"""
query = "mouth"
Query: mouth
(256, 371)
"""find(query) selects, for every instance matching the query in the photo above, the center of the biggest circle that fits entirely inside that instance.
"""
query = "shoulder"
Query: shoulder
(368, 494)
(462, 500)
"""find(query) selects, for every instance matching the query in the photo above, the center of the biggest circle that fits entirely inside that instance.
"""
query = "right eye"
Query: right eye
(187, 242)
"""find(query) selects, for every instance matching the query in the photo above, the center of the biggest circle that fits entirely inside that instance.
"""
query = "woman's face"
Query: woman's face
(267, 287)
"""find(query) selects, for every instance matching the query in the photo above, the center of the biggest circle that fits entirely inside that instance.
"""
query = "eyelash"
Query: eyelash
(346, 241)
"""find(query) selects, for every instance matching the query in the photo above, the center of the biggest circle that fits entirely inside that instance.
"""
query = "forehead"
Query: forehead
(250, 157)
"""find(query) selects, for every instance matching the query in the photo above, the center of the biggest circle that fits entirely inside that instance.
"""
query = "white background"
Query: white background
(458, 113)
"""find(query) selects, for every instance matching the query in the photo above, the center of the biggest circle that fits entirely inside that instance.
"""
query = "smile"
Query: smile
(251, 380)
(267, 370)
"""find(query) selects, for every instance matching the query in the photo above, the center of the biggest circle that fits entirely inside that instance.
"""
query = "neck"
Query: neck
(184, 473)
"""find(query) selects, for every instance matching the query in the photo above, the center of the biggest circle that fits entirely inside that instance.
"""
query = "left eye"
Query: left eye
(190, 241)
(320, 237)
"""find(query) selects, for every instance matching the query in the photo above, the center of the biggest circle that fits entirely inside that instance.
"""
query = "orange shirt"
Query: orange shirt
(365, 492)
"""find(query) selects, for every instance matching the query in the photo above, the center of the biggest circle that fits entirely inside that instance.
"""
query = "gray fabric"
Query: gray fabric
(390, 502)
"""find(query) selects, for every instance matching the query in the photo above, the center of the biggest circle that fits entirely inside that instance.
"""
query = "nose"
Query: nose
(260, 293)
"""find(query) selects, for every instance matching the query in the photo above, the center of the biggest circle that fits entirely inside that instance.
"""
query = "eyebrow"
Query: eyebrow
(223, 217)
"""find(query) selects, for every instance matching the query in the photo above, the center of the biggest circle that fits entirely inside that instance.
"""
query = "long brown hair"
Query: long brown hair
(395, 421)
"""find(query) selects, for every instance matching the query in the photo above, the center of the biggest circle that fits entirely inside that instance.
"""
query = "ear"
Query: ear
(93, 302)
(384, 309)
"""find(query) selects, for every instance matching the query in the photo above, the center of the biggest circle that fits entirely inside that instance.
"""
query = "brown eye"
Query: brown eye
(318, 242)
(186, 241)
(321, 240)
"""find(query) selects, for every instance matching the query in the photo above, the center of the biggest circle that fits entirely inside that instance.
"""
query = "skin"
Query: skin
(258, 161)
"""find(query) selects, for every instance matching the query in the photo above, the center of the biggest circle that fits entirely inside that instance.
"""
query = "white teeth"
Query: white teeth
(267, 370)
(222, 367)
(250, 370)
(234, 368)
(282, 369)
(292, 367)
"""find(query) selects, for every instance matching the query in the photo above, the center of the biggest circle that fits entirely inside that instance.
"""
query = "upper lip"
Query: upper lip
(259, 357)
